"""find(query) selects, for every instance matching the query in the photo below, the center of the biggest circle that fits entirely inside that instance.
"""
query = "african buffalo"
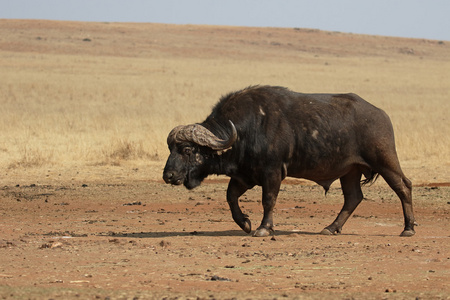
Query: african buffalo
(261, 134)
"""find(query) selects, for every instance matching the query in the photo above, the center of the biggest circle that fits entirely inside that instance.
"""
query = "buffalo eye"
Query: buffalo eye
(187, 150)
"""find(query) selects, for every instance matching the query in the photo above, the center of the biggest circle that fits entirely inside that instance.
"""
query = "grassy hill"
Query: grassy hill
(99, 95)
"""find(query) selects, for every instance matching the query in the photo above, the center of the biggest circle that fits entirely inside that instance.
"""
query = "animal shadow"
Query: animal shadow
(163, 234)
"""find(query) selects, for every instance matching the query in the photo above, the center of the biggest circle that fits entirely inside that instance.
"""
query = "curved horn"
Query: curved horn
(198, 134)
(172, 138)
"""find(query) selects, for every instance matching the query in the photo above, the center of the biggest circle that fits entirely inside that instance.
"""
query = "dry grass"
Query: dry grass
(66, 101)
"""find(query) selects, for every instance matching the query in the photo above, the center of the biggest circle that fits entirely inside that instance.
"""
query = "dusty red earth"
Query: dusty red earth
(123, 234)
(129, 238)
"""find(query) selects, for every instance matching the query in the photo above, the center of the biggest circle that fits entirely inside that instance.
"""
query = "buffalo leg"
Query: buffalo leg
(403, 188)
(234, 191)
(353, 195)
(270, 191)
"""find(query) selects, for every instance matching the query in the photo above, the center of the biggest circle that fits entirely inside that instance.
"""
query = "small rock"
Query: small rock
(133, 203)
(56, 245)
(51, 245)
(217, 278)
(164, 244)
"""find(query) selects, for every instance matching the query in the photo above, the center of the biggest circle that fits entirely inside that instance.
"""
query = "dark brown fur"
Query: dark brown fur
(319, 137)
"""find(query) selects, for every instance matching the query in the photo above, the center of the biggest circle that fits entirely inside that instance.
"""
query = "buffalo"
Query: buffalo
(262, 134)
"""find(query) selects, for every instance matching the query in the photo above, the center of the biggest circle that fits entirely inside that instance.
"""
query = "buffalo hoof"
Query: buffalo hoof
(326, 231)
(408, 232)
(246, 225)
(263, 232)
(330, 231)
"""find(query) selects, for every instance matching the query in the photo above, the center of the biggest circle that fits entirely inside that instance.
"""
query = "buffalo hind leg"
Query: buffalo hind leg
(234, 191)
(270, 190)
(351, 187)
(402, 186)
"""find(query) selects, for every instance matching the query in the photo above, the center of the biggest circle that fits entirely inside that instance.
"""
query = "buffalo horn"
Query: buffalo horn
(198, 134)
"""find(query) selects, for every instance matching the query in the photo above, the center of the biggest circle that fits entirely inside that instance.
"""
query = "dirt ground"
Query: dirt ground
(100, 231)
(124, 237)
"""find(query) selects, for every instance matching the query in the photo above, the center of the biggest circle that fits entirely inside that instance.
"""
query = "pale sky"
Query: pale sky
(428, 19)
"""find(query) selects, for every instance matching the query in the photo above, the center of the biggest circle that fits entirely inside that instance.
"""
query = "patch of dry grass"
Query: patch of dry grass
(93, 103)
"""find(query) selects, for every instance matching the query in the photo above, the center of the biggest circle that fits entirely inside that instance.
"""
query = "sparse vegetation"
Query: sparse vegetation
(30, 157)
(65, 101)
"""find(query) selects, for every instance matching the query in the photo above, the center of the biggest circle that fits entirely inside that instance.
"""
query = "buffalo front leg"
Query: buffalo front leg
(351, 187)
(270, 191)
(234, 191)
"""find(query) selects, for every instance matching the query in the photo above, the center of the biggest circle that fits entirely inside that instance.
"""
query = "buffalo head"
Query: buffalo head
(192, 151)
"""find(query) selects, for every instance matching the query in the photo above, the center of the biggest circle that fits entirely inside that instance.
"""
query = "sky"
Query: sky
(427, 19)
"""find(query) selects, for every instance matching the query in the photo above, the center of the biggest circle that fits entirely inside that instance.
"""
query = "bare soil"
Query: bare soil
(105, 232)
(128, 238)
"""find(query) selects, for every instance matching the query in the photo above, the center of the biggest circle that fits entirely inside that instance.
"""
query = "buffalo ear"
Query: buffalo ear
(220, 152)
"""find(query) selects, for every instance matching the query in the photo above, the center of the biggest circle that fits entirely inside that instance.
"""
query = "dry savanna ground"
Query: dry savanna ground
(86, 109)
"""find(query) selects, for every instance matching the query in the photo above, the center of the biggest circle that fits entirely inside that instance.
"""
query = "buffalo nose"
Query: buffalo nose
(167, 176)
